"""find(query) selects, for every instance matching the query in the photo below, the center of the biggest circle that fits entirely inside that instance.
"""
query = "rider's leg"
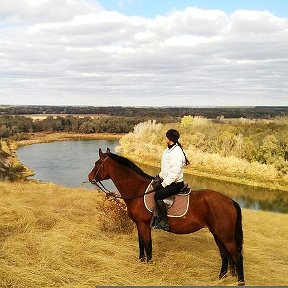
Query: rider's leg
(160, 205)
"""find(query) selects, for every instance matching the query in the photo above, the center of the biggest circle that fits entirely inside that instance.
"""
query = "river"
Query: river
(69, 162)
(64, 162)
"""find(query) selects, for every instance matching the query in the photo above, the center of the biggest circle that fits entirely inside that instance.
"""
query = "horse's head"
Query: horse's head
(99, 171)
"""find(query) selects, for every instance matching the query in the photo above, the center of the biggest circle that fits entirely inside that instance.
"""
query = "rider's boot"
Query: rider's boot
(162, 222)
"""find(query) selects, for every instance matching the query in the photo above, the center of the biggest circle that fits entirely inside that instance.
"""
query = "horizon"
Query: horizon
(150, 107)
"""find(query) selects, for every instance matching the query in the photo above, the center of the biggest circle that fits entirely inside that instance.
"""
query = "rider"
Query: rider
(171, 176)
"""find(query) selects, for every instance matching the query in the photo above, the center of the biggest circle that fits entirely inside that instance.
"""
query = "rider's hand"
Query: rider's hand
(157, 178)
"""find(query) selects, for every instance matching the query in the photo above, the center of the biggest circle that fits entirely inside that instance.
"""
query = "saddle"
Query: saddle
(177, 205)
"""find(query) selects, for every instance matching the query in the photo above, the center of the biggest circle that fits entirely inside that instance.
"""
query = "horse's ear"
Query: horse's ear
(100, 153)
(108, 150)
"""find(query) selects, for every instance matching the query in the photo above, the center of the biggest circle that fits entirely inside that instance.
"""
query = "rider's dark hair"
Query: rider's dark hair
(174, 136)
(187, 162)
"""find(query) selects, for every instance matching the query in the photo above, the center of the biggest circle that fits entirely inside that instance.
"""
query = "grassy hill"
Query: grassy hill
(51, 236)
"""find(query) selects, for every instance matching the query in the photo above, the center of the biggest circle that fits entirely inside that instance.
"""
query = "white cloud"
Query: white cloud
(35, 11)
(256, 22)
(78, 53)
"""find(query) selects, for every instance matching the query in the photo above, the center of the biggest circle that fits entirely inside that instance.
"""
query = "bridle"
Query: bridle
(109, 193)
(99, 184)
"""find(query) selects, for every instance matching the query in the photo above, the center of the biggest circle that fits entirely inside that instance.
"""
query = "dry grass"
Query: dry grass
(44, 116)
(113, 216)
(50, 236)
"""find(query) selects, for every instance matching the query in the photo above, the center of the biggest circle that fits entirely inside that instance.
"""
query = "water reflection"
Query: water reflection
(277, 204)
(248, 197)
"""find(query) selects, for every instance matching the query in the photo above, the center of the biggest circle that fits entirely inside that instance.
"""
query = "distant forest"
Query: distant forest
(258, 112)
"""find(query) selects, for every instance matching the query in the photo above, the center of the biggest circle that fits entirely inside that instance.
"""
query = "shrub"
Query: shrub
(189, 120)
(114, 217)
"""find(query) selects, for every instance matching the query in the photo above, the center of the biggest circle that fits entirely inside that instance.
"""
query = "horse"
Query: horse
(207, 209)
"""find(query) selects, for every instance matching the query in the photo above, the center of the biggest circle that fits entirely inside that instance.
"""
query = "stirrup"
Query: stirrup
(160, 224)
(153, 221)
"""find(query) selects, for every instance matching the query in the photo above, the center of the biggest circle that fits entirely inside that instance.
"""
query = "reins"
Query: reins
(112, 194)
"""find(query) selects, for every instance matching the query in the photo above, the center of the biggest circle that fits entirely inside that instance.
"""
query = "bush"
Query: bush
(114, 217)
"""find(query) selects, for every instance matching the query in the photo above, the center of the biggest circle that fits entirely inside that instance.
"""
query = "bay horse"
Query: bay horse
(207, 209)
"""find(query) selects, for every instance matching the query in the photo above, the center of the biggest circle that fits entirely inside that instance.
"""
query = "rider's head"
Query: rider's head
(172, 135)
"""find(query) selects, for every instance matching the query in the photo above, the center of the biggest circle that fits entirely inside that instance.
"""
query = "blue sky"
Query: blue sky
(152, 8)
(144, 52)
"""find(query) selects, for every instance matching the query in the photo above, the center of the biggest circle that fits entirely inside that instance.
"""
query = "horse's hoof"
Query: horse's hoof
(150, 261)
(222, 276)
(142, 259)
(241, 283)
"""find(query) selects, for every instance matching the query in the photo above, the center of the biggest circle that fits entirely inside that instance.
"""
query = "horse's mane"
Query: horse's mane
(129, 164)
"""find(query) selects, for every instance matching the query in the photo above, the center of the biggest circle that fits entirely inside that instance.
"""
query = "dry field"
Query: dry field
(44, 116)
(50, 236)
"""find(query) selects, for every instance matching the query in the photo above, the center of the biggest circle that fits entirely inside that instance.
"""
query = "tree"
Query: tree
(227, 142)
(270, 150)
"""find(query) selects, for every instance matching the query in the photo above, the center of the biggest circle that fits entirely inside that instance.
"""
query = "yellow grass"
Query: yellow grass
(50, 236)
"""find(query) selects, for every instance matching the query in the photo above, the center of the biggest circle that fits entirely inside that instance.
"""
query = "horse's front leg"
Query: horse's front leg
(145, 242)
(141, 248)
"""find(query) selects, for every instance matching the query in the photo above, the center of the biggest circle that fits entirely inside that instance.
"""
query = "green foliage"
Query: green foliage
(16, 126)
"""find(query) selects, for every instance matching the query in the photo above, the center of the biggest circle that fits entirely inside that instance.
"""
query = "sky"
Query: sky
(144, 52)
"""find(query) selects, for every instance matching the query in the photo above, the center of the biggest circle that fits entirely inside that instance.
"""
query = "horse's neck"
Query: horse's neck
(128, 182)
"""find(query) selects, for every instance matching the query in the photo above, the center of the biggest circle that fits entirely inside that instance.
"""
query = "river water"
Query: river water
(65, 162)
(69, 162)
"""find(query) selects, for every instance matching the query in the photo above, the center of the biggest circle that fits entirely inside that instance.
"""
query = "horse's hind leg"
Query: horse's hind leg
(224, 256)
(240, 270)
(232, 267)
(238, 260)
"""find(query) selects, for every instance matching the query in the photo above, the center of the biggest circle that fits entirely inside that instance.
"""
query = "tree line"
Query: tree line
(17, 126)
(152, 112)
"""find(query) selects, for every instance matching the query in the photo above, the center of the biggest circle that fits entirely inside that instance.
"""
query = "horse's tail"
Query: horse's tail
(238, 235)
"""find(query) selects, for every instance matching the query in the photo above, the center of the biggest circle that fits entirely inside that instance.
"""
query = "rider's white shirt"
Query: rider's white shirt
(173, 161)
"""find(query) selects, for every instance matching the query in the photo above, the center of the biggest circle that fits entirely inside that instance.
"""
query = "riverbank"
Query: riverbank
(147, 143)
(51, 237)
(35, 138)
(146, 158)
(149, 161)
